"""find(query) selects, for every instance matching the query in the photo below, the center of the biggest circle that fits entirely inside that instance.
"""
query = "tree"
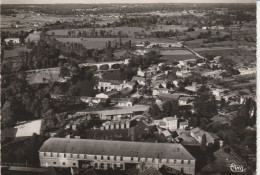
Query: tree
(106, 103)
(222, 103)
(64, 72)
(203, 146)
(155, 111)
(193, 122)
(205, 105)
(74, 91)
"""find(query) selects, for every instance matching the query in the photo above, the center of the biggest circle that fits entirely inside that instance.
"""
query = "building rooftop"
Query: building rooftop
(115, 82)
(119, 148)
(168, 97)
(170, 118)
(210, 137)
(135, 78)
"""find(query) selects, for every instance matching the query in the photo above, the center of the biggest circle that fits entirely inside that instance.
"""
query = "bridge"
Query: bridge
(112, 65)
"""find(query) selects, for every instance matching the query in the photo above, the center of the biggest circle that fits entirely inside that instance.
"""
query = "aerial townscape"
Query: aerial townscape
(128, 89)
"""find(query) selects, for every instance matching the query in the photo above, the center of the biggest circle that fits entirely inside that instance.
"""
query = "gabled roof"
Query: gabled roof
(210, 137)
(168, 97)
(138, 78)
(170, 118)
(119, 148)
(109, 93)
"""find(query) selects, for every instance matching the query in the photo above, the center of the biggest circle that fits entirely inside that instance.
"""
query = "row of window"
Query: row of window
(114, 157)
(115, 166)
(63, 163)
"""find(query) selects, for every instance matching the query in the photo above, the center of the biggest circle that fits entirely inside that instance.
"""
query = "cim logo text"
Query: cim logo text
(237, 168)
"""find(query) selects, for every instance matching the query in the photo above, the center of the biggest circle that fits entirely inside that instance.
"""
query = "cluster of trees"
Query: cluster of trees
(24, 152)
(145, 61)
(41, 56)
(79, 51)
(21, 101)
(169, 33)
(94, 33)
(228, 65)
(69, 49)
(169, 108)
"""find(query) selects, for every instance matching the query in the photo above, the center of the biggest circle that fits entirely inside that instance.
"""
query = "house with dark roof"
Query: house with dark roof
(106, 154)
(168, 97)
(197, 133)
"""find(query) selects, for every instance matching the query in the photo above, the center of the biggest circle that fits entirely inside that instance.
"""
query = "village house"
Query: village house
(125, 92)
(183, 101)
(197, 133)
(168, 97)
(170, 123)
(157, 91)
(139, 80)
(232, 97)
(109, 94)
(125, 102)
(167, 134)
(213, 74)
(140, 52)
(194, 87)
(247, 70)
(183, 125)
(109, 85)
(130, 85)
(15, 41)
(183, 73)
(219, 93)
(147, 73)
(189, 62)
(56, 96)
(91, 100)
(159, 84)
(105, 154)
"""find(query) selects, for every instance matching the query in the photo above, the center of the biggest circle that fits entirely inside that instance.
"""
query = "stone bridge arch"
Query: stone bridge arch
(104, 67)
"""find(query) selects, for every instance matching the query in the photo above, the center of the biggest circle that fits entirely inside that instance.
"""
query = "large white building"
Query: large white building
(13, 40)
(104, 154)
(170, 123)
(109, 85)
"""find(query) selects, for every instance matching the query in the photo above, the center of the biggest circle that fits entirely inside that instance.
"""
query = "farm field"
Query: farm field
(174, 58)
(169, 27)
(176, 52)
(236, 54)
(15, 52)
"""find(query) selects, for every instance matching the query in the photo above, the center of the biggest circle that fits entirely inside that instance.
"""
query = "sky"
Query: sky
(119, 1)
